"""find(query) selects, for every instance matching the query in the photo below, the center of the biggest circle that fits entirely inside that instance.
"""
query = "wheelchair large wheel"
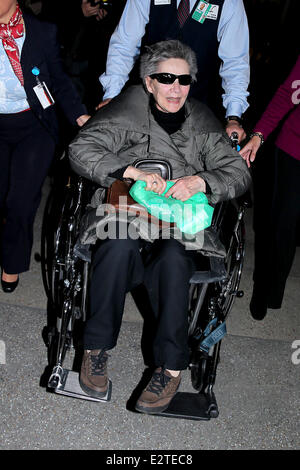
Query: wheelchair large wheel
(49, 227)
(71, 294)
(64, 237)
(69, 279)
(218, 300)
(68, 331)
(199, 370)
(51, 217)
(229, 289)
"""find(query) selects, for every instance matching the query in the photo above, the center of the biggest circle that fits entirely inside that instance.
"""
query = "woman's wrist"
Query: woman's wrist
(259, 135)
(131, 173)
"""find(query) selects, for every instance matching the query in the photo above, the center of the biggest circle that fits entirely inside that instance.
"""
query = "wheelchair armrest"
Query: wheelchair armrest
(155, 165)
(216, 273)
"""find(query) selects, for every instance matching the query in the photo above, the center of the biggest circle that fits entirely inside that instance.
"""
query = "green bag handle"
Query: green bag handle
(190, 216)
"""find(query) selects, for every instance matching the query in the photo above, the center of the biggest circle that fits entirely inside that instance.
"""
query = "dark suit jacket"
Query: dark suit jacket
(42, 50)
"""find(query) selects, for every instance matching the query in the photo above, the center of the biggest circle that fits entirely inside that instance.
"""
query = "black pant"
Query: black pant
(277, 238)
(285, 219)
(26, 152)
(117, 268)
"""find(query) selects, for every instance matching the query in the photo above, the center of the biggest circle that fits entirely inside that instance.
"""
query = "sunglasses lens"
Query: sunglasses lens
(165, 78)
(169, 78)
(185, 79)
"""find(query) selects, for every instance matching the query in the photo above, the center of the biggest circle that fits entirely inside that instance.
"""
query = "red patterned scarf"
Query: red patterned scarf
(8, 33)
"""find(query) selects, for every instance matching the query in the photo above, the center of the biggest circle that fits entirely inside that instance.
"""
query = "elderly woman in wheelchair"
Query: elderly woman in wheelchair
(154, 121)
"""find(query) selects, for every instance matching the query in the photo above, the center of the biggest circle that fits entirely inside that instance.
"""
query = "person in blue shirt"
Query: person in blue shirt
(223, 37)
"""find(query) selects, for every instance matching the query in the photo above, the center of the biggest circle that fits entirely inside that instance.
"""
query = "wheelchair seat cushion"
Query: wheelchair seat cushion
(190, 216)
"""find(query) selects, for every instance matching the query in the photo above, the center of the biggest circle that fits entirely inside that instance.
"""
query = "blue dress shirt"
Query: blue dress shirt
(12, 94)
(233, 38)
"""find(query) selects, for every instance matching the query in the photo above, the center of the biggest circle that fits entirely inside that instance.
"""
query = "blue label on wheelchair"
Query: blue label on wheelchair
(214, 337)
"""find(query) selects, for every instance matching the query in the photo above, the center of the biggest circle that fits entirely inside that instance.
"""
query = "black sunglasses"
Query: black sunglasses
(169, 78)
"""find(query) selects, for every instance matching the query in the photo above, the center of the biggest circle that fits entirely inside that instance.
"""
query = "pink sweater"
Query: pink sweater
(285, 100)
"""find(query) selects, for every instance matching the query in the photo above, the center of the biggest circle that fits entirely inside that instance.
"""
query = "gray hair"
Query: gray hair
(164, 50)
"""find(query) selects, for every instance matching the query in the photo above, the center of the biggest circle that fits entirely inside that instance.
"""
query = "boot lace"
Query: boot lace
(158, 382)
(98, 363)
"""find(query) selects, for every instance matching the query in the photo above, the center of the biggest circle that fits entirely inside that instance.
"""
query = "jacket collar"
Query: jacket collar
(29, 37)
(132, 111)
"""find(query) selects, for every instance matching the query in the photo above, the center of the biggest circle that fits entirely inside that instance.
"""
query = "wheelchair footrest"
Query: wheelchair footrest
(195, 406)
(70, 386)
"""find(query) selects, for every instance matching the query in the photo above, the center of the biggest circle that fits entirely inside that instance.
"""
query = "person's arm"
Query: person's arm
(226, 174)
(63, 90)
(279, 106)
(233, 36)
(281, 103)
(97, 152)
(124, 46)
(88, 10)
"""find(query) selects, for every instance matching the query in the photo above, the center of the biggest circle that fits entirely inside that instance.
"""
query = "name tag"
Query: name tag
(43, 94)
(205, 10)
(162, 2)
(213, 12)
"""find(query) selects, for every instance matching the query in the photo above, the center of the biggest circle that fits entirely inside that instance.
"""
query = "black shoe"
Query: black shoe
(258, 304)
(9, 287)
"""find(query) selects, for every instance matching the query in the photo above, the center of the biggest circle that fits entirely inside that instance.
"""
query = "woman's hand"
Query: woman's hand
(248, 152)
(101, 14)
(88, 10)
(103, 103)
(82, 119)
(234, 126)
(154, 182)
(186, 187)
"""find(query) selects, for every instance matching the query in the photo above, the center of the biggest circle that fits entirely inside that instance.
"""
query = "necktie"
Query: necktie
(8, 33)
(183, 12)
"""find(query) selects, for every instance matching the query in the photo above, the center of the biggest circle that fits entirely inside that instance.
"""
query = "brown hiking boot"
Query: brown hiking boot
(93, 375)
(159, 392)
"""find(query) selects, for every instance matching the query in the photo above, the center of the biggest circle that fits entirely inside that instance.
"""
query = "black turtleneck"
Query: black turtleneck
(170, 122)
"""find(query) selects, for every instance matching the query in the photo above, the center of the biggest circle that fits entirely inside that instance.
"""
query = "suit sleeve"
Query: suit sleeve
(63, 90)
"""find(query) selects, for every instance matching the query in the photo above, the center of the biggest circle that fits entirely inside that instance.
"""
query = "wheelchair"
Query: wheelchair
(66, 269)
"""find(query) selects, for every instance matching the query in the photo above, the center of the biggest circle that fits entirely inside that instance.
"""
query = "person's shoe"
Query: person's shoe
(93, 375)
(159, 392)
(258, 304)
(9, 287)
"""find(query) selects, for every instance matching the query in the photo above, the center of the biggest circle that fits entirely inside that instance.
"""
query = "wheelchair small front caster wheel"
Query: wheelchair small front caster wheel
(213, 412)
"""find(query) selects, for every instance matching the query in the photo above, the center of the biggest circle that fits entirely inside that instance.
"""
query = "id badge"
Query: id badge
(201, 11)
(43, 94)
(213, 12)
(162, 2)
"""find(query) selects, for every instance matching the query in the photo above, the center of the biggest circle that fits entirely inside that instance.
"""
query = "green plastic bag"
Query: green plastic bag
(190, 216)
